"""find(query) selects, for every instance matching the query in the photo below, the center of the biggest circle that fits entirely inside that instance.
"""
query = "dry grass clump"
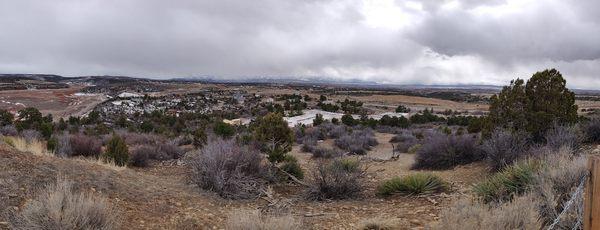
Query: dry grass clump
(517, 214)
(545, 193)
(228, 169)
(33, 146)
(378, 224)
(336, 180)
(254, 220)
(59, 207)
(555, 183)
(106, 163)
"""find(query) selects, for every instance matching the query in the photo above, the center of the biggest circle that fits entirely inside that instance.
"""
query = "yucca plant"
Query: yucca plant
(513, 180)
(415, 184)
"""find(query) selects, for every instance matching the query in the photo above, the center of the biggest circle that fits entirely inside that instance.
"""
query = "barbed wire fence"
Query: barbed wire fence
(575, 203)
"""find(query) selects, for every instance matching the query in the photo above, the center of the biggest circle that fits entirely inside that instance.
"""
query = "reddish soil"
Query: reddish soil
(58, 102)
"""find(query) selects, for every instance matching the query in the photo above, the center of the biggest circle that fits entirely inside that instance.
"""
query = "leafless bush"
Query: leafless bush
(309, 144)
(358, 142)
(254, 220)
(59, 207)
(320, 152)
(140, 138)
(139, 156)
(337, 131)
(517, 214)
(444, 152)
(403, 137)
(183, 140)
(82, 145)
(404, 141)
(31, 135)
(591, 130)
(169, 150)
(504, 147)
(230, 170)
(336, 180)
(560, 136)
(63, 145)
(9, 130)
(389, 129)
(299, 133)
(555, 183)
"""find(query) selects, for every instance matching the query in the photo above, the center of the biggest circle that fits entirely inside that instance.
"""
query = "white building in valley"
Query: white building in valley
(309, 115)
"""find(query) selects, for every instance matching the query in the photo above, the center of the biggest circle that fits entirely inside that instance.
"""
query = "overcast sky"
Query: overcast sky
(403, 42)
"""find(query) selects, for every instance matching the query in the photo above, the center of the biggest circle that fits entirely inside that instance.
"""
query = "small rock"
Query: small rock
(415, 221)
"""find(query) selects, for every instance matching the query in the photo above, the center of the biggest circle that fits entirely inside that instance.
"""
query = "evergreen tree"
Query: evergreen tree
(117, 151)
(6, 118)
(276, 136)
(223, 129)
(534, 107)
(318, 120)
(199, 137)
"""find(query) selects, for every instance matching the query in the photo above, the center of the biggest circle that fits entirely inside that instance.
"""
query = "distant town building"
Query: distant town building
(128, 95)
(239, 121)
(309, 115)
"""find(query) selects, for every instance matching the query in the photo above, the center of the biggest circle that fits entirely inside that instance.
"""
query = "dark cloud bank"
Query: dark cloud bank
(402, 42)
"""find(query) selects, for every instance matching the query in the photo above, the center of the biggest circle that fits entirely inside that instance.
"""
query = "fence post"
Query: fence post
(591, 215)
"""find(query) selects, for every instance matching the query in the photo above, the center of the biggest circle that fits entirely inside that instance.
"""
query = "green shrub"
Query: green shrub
(318, 120)
(223, 129)
(513, 180)
(419, 183)
(51, 144)
(117, 151)
(348, 164)
(291, 166)
(413, 149)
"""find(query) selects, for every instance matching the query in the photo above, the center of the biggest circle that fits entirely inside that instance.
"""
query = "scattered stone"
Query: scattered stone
(415, 222)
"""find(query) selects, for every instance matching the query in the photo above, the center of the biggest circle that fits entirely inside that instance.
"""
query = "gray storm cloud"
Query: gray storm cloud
(407, 42)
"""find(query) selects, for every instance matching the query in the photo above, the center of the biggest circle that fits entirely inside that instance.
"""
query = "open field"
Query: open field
(58, 102)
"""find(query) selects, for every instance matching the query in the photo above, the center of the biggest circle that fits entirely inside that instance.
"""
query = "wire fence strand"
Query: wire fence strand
(575, 196)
